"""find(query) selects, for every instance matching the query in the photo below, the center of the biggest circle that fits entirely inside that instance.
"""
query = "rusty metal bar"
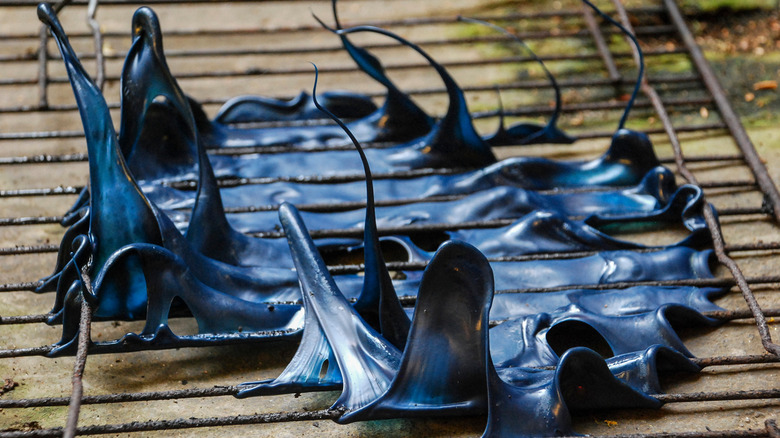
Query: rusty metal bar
(697, 282)
(184, 423)
(601, 44)
(84, 340)
(100, 77)
(389, 67)
(223, 391)
(75, 190)
(188, 53)
(726, 111)
(517, 85)
(189, 423)
(749, 247)
(43, 71)
(760, 173)
(759, 394)
(723, 315)
(356, 232)
(525, 111)
(25, 319)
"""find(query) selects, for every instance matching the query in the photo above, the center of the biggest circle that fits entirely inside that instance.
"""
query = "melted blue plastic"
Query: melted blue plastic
(527, 133)
(447, 361)
(253, 109)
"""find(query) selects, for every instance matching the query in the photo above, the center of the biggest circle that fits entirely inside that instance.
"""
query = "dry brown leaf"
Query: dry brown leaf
(765, 85)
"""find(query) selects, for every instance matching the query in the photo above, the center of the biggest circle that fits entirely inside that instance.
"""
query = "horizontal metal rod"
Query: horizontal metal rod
(25, 319)
(185, 423)
(39, 220)
(438, 227)
(698, 282)
(724, 315)
(25, 352)
(517, 85)
(222, 391)
(46, 159)
(53, 191)
(529, 111)
(217, 391)
(225, 52)
(758, 394)
(280, 417)
(18, 287)
(329, 207)
(405, 174)
(358, 232)
(751, 433)
(756, 359)
(74, 190)
(258, 71)
(233, 182)
(345, 269)
(403, 22)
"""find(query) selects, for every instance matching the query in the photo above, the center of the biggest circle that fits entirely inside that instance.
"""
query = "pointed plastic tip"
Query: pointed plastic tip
(322, 23)
(146, 24)
(46, 13)
(285, 209)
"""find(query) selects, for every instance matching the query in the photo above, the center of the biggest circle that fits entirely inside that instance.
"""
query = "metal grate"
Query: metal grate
(221, 49)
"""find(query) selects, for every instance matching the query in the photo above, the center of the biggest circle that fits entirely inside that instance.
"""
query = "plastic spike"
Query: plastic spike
(442, 371)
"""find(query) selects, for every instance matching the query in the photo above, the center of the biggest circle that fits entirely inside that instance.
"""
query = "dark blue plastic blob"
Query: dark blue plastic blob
(627, 161)
(140, 245)
(539, 339)
(443, 366)
(658, 182)
(489, 204)
(168, 128)
(607, 302)
(118, 209)
(453, 141)
(398, 120)
(367, 361)
(390, 383)
(253, 109)
(378, 303)
(539, 403)
(169, 276)
(545, 231)
(527, 133)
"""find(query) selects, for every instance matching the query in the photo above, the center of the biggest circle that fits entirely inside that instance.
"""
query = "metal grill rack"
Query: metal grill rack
(220, 49)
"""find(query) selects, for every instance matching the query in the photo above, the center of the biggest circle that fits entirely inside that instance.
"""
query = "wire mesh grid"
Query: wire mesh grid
(222, 49)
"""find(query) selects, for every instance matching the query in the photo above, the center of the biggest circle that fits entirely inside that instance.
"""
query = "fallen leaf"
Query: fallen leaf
(765, 85)
(749, 97)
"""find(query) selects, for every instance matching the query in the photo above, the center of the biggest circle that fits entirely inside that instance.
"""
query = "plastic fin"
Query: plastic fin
(115, 198)
(453, 141)
(443, 366)
(542, 405)
(378, 303)
(528, 133)
(313, 368)
(253, 109)
(168, 276)
(367, 362)
(640, 370)
(398, 111)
